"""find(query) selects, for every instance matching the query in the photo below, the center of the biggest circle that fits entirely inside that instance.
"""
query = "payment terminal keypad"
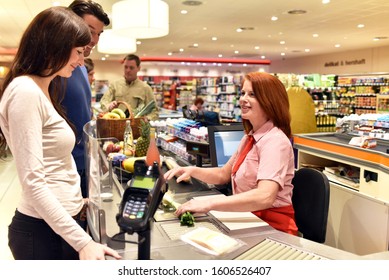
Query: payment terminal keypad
(135, 207)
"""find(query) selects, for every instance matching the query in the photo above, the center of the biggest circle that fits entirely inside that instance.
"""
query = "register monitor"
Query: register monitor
(223, 142)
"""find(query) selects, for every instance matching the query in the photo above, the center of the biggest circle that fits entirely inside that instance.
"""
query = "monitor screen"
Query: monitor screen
(223, 142)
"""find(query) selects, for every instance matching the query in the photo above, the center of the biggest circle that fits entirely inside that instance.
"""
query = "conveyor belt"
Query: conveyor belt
(175, 230)
(272, 250)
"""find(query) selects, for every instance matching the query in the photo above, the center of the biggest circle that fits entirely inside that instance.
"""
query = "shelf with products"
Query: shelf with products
(361, 92)
(382, 106)
(185, 94)
(220, 95)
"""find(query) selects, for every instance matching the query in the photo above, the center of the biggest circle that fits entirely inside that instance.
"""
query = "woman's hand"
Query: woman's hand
(182, 173)
(194, 206)
(97, 251)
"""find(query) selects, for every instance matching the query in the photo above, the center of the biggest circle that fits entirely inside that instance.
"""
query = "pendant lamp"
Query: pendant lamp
(111, 43)
(141, 19)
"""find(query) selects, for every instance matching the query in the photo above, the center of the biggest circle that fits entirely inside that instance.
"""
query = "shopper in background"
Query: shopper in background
(130, 90)
(90, 69)
(197, 104)
(262, 169)
(78, 98)
(41, 140)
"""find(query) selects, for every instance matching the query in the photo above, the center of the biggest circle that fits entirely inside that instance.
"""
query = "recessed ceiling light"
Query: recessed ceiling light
(256, 47)
(361, 25)
(184, 12)
(169, 53)
(297, 12)
(195, 45)
(315, 35)
(325, 1)
(282, 53)
(239, 30)
(236, 52)
(244, 64)
(181, 50)
(274, 18)
(263, 57)
(138, 42)
(192, 3)
(337, 46)
(214, 38)
(282, 42)
(380, 38)
(307, 50)
(220, 55)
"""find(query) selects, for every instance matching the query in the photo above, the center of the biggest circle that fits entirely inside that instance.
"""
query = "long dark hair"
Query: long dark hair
(45, 48)
(273, 99)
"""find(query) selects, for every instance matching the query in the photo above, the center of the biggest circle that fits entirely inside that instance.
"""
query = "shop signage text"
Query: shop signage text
(345, 63)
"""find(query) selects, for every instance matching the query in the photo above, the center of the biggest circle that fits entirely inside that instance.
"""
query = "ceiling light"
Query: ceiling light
(307, 50)
(325, 1)
(282, 42)
(214, 38)
(236, 52)
(111, 43)
(169, 53)
(282, 53)
(361, 25)
(315, 35)
(192, 3)
(149, 18)
(380, 38)
(337, 46)
(184, 12)
(138, 42)
(239, 30)
(256, 47)
(263, 57)
(220, 55)
(181, 50)
(297, 12)
(274, 18)
(195, 45)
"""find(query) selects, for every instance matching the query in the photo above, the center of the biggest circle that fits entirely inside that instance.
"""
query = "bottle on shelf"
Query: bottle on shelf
(128, 139)
(152, 154)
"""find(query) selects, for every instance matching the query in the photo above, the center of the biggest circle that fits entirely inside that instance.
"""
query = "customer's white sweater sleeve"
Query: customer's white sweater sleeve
(41, 144)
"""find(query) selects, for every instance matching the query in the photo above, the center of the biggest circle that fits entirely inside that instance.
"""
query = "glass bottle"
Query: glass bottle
(128, 145)
(152, 154)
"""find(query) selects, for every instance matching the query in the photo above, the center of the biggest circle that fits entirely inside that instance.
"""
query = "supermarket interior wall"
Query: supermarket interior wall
(363, 61)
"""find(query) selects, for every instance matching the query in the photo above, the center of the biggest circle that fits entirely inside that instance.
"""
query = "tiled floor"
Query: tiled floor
(10, 191)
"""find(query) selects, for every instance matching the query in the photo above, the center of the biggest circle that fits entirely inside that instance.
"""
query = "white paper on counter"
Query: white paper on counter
(235, 220)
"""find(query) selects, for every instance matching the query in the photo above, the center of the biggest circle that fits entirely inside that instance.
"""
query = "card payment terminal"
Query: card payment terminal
(141, 199)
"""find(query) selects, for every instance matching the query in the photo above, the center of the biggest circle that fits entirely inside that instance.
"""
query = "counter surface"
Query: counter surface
(166, 230)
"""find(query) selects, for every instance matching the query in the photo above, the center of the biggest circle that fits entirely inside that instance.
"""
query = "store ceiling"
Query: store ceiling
(335, 23)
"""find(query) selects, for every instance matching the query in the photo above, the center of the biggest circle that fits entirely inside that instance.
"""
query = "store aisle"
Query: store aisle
(10, 191)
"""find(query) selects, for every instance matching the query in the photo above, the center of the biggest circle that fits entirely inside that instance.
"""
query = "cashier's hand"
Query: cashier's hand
(182, 173)
(97, 251)
(112, 105)
(194, 206)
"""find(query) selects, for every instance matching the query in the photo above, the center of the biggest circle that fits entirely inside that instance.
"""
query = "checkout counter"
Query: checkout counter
(165, 230)
(358, 218)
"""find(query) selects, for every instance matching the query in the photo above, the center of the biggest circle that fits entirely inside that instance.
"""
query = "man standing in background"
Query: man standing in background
(90, 69)
(130, 89)
(77, 99)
